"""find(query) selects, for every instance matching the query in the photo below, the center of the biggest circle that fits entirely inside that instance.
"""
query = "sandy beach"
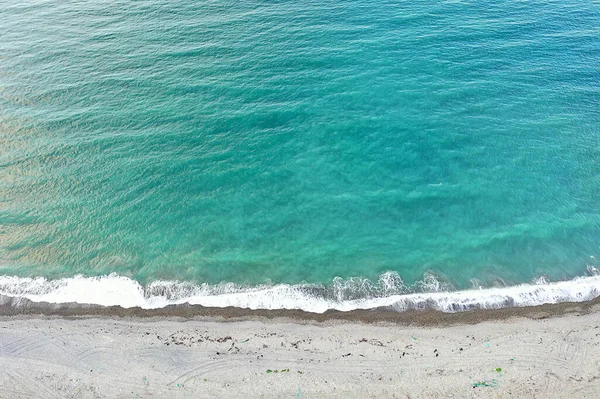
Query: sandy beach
(47, 351)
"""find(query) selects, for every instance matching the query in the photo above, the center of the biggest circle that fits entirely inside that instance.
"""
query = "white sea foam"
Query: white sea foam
(349, 294)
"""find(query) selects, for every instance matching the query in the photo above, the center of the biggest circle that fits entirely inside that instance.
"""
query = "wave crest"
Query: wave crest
(342, 294)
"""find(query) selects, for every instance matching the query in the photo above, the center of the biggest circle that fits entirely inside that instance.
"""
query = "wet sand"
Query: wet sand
(12, 306)
(74, 351)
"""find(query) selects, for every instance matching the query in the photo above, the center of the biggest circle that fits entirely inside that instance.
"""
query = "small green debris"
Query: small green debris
(498, 369)
(414, 338)
(280, 371)
(491, 383)
(244, 341)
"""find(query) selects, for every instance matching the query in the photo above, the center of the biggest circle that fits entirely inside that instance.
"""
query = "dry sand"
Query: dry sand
(95, 356)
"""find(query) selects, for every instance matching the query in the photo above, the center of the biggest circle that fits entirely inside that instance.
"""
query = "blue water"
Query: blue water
(269, 142)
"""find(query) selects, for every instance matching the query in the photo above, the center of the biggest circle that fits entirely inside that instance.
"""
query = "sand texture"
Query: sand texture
(44, 357)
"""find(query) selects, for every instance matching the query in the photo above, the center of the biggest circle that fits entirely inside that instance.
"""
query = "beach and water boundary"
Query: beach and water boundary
(343, 295)
(545, 346)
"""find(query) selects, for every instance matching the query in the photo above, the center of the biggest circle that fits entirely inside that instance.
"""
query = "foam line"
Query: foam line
(343, 295)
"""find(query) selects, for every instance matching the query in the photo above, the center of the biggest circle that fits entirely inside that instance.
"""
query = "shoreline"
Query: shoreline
(122, 296)
(16, 306)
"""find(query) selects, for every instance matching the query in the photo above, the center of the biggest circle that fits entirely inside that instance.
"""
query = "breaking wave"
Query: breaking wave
(342, 294)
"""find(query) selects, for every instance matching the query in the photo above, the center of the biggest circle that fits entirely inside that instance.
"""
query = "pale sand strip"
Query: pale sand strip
(52, 357)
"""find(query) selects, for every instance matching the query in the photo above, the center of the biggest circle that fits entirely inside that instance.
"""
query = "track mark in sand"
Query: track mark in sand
(552, 382)
(578, 352)
(199, 371)
(293, 363)
(13, 348)
(78, 360)
(29, 343)
(48, 349)
(8, 381)
(37, 387)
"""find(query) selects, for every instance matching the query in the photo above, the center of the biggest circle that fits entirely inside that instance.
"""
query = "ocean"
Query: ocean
(300, 154)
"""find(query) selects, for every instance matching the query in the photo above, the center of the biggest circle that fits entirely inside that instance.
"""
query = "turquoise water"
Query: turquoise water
(267, 142)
